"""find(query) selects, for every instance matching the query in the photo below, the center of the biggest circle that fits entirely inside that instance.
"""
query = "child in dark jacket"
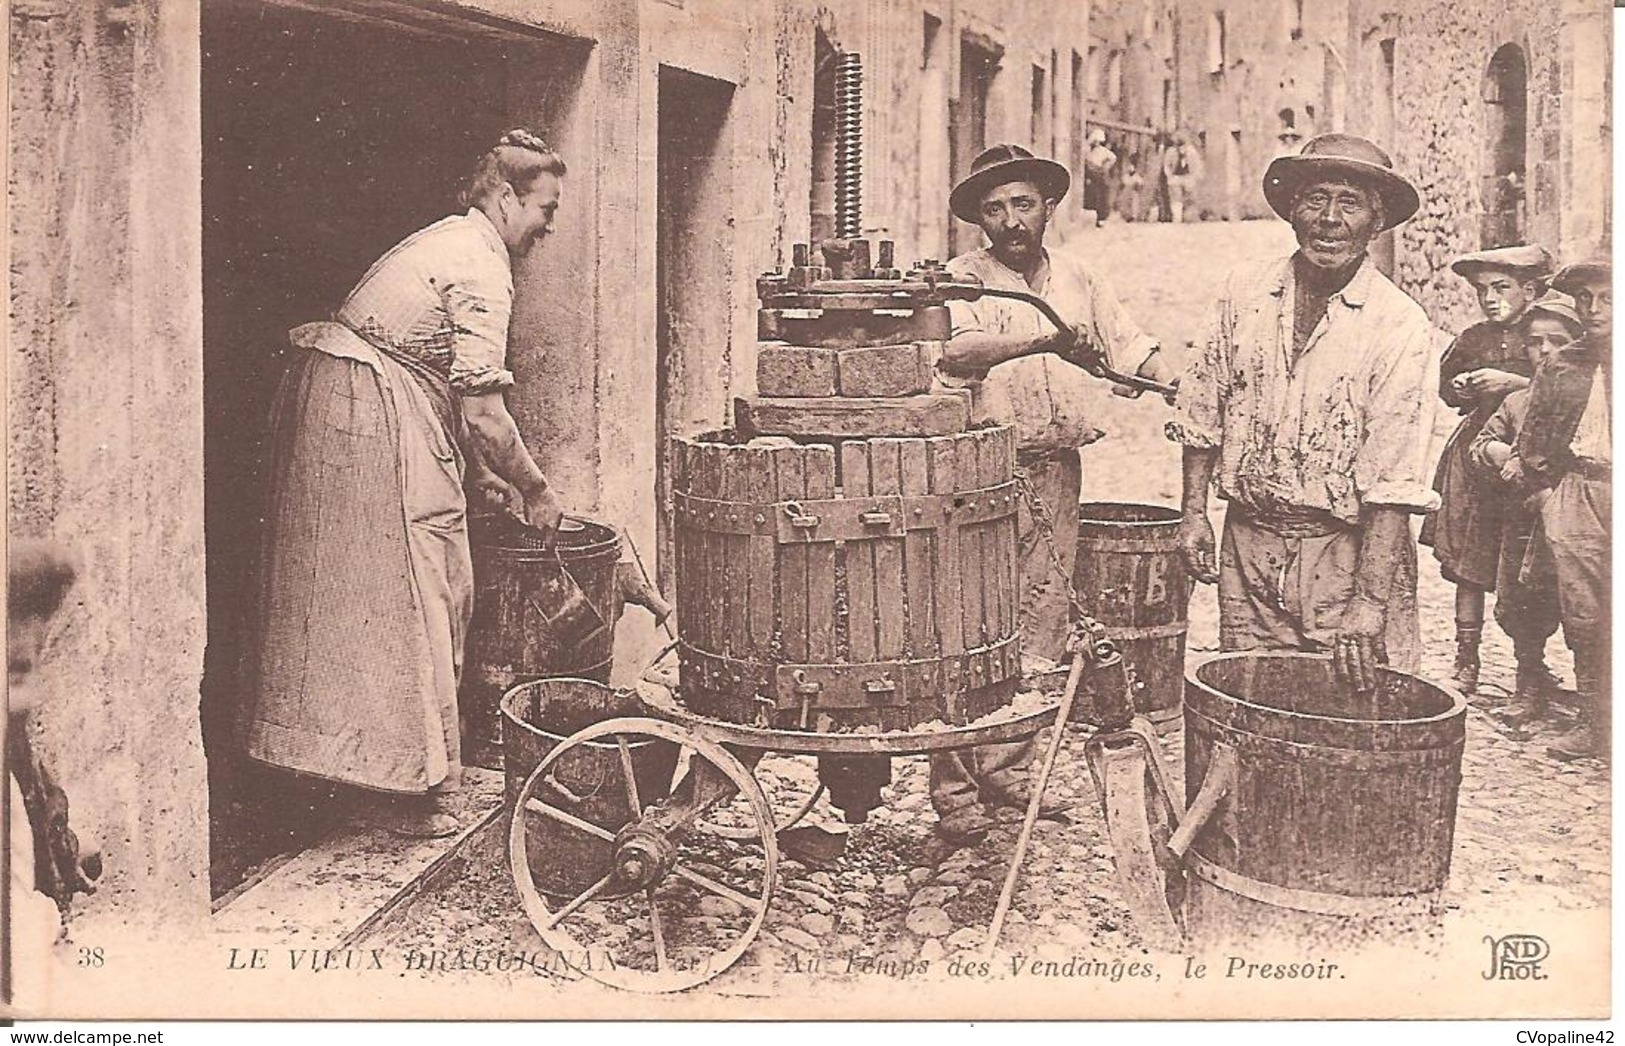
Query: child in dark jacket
(1483, 365)
(1525, 595)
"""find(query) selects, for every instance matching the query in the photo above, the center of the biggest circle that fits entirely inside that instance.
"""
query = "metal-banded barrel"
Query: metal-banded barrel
(587, 783)
(1331, 813)
(515, 635)
(1129, 576)
(864, 583)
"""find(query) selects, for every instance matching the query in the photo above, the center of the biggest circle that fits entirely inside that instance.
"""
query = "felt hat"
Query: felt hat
(1341, 156)
(1000, 165)
(1555, 303)
(1571, 277)
(1526, 259)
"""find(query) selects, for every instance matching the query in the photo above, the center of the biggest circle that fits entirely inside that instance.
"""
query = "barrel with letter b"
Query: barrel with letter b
(1129, 576)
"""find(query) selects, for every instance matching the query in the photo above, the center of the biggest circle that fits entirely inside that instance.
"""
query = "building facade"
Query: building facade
(1500, 111)
(193, 177)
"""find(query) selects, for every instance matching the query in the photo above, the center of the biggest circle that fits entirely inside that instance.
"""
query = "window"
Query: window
(1040, 125)
(1292, 18)
(1217, 43)
(1080, 106)
(1114, 78)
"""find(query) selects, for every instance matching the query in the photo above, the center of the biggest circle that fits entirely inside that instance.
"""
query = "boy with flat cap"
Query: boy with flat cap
(1483, 365)
(1525, 597)
(1566, 453)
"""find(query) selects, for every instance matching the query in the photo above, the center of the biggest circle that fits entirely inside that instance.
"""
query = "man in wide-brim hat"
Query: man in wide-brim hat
(1023, 372)
(1313, 400)
(1566, 449)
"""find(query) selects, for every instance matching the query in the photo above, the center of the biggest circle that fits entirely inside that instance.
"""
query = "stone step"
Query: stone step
(346, 886)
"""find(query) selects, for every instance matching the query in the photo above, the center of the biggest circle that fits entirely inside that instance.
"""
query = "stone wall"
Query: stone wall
(105, 425)
(1442, 53)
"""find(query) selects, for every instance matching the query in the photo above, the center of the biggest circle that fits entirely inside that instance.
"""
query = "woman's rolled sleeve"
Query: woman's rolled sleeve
(1391, 467)
(480, 304)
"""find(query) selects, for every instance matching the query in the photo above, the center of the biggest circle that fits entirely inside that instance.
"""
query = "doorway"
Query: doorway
(693, 272)
(978, 66)
(1506, 94)
(329, 134)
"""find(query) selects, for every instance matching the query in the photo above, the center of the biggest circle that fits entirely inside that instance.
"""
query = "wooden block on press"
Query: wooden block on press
(852, 417)
(883, 370)
(786, 370)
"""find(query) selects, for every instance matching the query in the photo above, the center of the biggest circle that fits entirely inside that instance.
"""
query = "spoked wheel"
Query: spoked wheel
(734, 821)
(614, 884)
(1139, 823)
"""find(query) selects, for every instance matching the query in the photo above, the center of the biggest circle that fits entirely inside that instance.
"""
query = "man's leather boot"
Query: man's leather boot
(1465, 674)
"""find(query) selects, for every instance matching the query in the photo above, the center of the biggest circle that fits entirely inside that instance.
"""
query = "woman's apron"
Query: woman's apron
(367, 586)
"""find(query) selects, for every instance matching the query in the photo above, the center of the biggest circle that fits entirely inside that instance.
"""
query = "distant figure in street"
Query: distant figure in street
(1486, 362)
(1525, 591)
(1182, 169)
(1313, 401)
(1131, 201)
(1565, 452)
(1021, 371)
(385, 414)
(1097, 176)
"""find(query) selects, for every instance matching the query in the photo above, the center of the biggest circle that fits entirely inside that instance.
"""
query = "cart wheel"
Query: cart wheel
(645, 940)
(722, 826)
(1138, 824)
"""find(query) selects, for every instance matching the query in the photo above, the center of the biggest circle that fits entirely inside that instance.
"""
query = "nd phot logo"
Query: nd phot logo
(1516, 957)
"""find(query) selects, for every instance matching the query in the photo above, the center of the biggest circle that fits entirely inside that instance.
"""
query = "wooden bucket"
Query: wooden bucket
(866, 584)
(1130, 577)
(1336, 810)
(536, 717)
(519, 591)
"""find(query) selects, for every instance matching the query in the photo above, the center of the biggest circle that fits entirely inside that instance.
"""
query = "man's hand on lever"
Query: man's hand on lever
(1154, 368)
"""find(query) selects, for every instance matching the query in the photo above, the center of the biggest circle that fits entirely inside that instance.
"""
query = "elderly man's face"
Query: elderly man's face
(1013, 216)
(1334, 221)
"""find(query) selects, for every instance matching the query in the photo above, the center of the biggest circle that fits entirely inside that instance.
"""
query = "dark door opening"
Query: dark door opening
(1506, 94)
(693, 272)
(327, 137)
(978, 65)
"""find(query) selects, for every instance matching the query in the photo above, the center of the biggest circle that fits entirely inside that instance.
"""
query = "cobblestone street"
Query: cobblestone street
(1531, 833)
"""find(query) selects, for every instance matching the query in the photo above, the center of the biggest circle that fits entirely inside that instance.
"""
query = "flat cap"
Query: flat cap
(1528, 258)
(1571, 277)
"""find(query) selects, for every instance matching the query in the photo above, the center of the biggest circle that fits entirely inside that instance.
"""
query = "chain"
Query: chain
(1046, 531)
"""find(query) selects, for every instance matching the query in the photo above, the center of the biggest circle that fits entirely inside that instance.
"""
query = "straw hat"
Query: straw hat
(1341, 156)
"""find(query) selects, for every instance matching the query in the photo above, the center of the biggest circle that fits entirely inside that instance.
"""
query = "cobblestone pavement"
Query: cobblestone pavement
(1530, 833)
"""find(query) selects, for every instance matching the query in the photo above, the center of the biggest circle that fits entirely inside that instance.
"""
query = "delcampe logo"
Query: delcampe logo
(1516, 957)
